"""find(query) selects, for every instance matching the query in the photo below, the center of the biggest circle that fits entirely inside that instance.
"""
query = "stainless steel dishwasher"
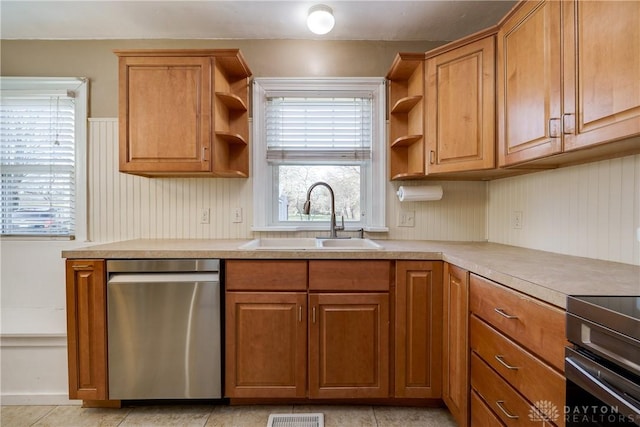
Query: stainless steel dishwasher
(164, 327)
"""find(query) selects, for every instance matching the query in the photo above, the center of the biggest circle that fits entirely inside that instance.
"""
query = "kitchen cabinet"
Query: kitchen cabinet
(183, 112)
(455, 343)
(460, 136)
(515, 341)
(349, 328)
(418, 329)
(86, 295)
(406, 116)
(349, 345)
(529, 83)
(293, 322)
(568, 80)
(601, 69)
(266, 328)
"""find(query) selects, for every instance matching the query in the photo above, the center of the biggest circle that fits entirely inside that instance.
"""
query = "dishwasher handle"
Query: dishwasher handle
(136, 278)
(162, 265)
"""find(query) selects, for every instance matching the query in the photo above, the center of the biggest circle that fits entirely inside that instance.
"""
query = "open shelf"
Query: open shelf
(231, 138)
(232, 101)
(404, 105)
(405, 140)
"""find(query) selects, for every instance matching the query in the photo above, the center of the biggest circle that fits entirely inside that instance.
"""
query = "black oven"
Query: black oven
(602, 366)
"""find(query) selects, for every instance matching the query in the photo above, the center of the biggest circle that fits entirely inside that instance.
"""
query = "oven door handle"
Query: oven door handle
(578, 372)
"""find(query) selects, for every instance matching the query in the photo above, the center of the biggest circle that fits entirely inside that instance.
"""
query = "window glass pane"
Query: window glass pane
(37, 153)
(295, 180)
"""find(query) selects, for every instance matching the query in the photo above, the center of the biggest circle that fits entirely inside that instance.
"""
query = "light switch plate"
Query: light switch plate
(236, 215)
(406, 218)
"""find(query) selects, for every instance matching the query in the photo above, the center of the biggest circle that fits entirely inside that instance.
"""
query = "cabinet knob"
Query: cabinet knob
(432, 157)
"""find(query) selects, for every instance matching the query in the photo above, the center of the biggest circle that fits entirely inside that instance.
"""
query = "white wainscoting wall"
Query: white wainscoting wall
(123, 206)
(590, 210)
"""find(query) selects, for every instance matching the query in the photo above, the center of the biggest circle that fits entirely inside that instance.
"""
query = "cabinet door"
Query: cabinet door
(266, 344)
(87, 329)
(455, 343)
(418, 329)
(601, 71)
(349, 345)
(165, 114)
(529, 84)
(461, 135)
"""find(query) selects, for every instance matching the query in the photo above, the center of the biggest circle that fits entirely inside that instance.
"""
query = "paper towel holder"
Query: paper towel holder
(424, 193)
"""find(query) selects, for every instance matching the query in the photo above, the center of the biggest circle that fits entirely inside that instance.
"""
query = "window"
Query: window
(42, 145)
(318, 130)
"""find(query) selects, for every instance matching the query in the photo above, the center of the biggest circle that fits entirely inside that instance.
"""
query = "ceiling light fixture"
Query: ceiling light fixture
(320, 19)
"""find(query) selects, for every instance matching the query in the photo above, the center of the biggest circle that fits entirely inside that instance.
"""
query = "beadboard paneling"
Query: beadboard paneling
(123, 206)
(591, 210)
(460, 215)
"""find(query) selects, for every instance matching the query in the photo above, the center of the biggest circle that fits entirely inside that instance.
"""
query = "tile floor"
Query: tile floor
(219, 416)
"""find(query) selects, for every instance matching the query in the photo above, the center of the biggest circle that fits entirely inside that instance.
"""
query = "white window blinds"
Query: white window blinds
(323, 128)
(37, 151)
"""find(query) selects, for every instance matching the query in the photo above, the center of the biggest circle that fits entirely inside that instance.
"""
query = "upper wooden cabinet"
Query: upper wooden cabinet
(529, 83)
(460, 108)
(406, 116)
(568, 79)
(601, 72)
(183, 112)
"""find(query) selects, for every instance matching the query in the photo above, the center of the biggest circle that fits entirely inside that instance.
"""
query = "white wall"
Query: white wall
(33, 323)
(590, 210)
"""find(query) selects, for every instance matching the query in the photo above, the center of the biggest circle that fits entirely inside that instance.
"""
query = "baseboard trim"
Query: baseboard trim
(38, 399)
(33, 340)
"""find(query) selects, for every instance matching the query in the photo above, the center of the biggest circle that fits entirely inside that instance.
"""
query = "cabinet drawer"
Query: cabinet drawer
(511, 408)
(536, 325)
(531, 377)
(266, 275)
(481, 415)
(349, 275)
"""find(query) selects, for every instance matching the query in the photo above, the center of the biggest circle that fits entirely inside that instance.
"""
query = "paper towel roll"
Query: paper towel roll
(423, 193)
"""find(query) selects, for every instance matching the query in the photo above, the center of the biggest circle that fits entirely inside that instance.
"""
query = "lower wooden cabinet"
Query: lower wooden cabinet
(517, 343)
(86, 295)
(289, 337)
(266, 346)
(349, 345)
(418, 329)
(455, 343)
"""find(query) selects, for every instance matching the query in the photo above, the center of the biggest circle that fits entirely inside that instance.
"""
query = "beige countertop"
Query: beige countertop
(544, 275)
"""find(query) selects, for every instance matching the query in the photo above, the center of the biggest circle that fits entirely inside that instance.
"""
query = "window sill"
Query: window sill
(296, 228)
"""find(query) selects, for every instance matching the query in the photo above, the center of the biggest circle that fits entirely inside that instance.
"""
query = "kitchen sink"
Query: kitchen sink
(349, 244)
(307, 244)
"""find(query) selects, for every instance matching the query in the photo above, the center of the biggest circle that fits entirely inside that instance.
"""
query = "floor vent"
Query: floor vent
(296, 420)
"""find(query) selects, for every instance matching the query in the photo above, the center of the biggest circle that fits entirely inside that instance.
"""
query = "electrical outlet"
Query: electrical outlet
(204, 216)
(406, 218)
(236, 215)
(516, 220)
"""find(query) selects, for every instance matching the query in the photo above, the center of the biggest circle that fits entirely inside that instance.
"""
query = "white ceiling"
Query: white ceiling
(212, 19)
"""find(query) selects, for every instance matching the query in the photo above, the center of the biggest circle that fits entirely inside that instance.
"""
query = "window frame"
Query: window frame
(373, 188)
(80, 87)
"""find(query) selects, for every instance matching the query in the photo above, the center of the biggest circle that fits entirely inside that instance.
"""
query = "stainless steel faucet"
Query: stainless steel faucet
(333, 228)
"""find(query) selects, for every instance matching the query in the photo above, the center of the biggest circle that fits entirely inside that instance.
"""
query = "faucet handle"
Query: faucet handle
(340, 227)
